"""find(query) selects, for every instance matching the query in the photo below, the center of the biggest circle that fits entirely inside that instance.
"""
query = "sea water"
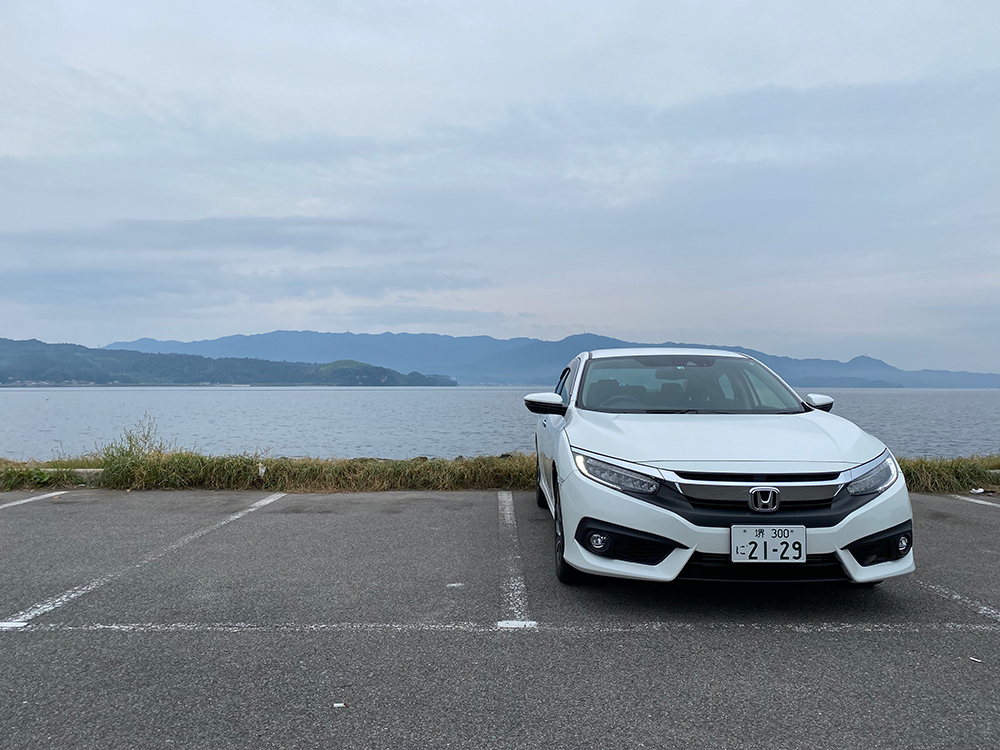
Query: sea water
(346, 422)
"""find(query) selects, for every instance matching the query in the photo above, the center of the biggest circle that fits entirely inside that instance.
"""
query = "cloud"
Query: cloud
(416, 318)
(777, 176)
(301, 233)
(210, 261)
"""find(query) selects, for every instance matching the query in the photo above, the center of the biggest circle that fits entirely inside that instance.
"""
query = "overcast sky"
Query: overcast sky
(809, 179)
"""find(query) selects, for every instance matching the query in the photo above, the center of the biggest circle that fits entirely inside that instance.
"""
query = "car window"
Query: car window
(764, 395)
(566, 383)
(727, 387)
(566, 380)
(561, 385)
(683, 383)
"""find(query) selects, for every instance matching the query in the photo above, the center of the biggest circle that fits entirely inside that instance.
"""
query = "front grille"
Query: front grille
(722, 505)
(793, 497)
(713, 567)
(784, 505)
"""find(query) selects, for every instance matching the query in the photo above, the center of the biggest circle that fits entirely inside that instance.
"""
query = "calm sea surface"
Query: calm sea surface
(404, 422)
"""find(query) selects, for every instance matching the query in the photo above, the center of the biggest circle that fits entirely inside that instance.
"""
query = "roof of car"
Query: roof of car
(655, 350)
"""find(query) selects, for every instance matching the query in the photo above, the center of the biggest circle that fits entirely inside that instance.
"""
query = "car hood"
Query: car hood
(813, 441)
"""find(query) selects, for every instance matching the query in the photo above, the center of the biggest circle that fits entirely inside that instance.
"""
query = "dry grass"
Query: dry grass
(184, 470)
(936, 476)
(139, 460)
(188, 470)
(23, 477)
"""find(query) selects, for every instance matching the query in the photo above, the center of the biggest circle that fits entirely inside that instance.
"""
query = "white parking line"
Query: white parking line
(251, 627)
(512, 591)
(471, 627)
(991, 613)
(31, 499)
(17, 621)
(975, 500)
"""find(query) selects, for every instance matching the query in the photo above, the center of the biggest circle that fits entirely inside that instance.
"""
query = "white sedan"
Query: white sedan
(660, 464)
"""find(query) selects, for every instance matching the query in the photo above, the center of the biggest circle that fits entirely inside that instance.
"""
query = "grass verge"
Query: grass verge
(186, 470)
(139, 460)
(183, 470)
(941, 476)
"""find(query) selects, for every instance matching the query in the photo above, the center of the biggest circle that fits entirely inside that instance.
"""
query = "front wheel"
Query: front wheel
(565, 572)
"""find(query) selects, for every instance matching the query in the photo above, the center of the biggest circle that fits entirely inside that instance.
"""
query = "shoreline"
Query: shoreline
(135, 465)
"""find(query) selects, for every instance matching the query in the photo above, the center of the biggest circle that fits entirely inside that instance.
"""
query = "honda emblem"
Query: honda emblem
(764, 499)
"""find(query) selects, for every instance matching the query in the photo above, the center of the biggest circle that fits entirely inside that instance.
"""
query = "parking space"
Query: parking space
(60, 540)
(400, 558)
(209, 620)
(615, 603)
(965, 539)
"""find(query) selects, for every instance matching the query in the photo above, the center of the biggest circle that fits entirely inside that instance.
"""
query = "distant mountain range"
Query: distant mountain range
(36, 362)
(486, 360)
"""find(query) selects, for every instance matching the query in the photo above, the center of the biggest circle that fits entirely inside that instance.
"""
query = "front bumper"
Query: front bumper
(581, 498)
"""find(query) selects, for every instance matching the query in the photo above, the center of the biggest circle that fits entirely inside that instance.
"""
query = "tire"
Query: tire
(565, 572)
(540, 500)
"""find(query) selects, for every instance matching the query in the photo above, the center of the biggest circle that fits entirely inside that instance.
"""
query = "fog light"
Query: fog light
(904, 544)
(599, 542)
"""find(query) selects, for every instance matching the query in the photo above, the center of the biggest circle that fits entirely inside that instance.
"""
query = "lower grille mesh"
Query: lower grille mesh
(706, 567)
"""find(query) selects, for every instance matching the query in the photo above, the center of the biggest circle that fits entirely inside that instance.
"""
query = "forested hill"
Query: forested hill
(36, 362)
(482, 359)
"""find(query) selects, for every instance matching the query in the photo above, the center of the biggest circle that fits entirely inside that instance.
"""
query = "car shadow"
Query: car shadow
(691, 601)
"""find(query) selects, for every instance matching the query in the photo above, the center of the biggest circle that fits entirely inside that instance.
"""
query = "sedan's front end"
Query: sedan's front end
(667, 464)
(655, 524)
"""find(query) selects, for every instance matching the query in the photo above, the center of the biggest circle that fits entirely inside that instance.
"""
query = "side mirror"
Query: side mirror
(545, 403)
(819, 401)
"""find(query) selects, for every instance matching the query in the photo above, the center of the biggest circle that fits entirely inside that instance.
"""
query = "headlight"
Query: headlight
(615, 476)
(876, 480)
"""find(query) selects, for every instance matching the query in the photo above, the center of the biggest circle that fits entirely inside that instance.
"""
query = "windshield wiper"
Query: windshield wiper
(674, 411)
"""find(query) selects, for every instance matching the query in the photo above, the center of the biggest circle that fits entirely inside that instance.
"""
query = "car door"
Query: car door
(551, 425)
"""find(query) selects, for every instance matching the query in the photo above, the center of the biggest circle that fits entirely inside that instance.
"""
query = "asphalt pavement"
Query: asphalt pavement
(434, 620)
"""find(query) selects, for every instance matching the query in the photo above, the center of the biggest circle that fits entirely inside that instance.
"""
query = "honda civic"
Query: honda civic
(662, 464)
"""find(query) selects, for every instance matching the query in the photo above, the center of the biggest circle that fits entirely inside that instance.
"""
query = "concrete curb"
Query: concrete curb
(90, 476)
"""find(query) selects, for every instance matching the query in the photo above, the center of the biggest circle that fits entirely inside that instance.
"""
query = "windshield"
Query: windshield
(678, 384)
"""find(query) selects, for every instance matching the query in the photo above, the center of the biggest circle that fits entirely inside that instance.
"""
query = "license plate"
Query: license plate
(772, 544)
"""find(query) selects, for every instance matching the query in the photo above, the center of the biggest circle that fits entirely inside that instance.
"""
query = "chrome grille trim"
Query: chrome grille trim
(795, 495)
(845, 477)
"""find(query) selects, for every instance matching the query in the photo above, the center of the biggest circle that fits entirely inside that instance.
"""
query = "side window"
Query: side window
(561, 385)
(565, 386)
